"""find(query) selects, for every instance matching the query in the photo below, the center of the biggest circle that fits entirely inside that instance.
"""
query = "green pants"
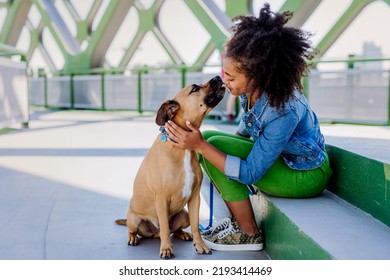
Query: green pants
(279, 180)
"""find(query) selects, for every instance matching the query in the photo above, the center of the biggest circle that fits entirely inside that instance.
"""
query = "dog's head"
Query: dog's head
(192, 103)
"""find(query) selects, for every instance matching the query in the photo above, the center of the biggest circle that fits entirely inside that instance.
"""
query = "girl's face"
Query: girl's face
(235, 81)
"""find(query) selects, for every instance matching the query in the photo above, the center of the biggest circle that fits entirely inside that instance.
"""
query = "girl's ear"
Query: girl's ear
(167, 111)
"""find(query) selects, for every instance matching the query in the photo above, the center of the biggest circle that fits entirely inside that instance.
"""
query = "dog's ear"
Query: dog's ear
(167, 111)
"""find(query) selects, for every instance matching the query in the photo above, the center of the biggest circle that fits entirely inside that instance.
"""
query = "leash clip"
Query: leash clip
(164, 134)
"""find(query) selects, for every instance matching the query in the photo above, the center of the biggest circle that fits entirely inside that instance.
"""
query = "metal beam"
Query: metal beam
(168, 47)
(148, 22)
(57, 25)
(219, 17)
(341, 25)
(16, 19)
(219, 34)
(236, 8)
(156, 29)
(214, 20)
(72, 11)
(206, 53)
(130, 51)
(46, 21)
(302, 11)
(105, 32)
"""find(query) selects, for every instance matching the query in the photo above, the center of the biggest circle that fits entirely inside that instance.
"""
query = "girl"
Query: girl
(278, 147)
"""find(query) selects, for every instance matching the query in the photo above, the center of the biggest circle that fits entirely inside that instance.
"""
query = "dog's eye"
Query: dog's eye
(195, 88)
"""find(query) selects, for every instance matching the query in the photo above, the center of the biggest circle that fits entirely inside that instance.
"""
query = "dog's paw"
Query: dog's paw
(201, 248)
(167, 254)
(182, 235)
(133, 240)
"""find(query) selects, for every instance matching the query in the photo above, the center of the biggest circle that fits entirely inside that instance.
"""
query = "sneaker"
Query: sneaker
(233, 239)
(222, 225)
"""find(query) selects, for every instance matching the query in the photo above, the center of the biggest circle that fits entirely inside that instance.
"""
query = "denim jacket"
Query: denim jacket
(293, 133)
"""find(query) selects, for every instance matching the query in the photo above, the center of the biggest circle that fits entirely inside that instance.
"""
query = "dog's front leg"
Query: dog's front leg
(193, 211)
(166, 250)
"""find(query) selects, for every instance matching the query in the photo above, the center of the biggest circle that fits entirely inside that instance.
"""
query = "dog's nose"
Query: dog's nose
(216, 82)
(217, 79)
(216, 92)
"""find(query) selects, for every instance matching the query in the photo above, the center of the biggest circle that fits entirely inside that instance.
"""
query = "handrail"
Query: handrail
(183, 71)
(351, 60)
(187, 68)
(144, 69)
(6, 50)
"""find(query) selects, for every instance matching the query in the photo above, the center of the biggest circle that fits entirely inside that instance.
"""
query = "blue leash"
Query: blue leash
(202, 228)
(251, 191)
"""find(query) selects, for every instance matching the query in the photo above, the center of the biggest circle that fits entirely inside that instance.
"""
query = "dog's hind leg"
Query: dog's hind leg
(178, 222)
(133, 222)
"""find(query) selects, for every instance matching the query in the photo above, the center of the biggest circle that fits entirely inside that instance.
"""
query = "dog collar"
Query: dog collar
(164, 134)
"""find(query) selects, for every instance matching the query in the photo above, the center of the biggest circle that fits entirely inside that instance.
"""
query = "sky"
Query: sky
(370, 26)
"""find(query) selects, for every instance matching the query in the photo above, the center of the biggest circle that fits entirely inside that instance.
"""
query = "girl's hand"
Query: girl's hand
(181, 138)
(193, 140)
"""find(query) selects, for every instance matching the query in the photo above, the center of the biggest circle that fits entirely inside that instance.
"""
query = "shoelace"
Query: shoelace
(224, 223)
(230, 229)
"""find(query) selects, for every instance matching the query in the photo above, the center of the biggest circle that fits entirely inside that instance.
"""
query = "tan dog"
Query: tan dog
(170, 178)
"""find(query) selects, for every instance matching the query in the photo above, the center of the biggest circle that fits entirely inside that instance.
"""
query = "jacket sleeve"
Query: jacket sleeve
(266, 149)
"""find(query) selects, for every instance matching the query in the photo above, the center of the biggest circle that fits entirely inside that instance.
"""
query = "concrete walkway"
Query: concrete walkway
(66, 179)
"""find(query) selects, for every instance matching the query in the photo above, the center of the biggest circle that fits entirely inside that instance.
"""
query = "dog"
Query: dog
(169, 178)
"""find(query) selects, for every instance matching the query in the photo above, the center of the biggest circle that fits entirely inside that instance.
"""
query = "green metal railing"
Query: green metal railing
(183, 71)
(351, 62)
(10, 51)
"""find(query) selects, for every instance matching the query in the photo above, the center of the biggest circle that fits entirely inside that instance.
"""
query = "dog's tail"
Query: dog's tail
(121, 222)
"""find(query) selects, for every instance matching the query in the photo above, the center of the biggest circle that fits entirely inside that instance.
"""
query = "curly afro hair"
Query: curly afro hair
(273, 56)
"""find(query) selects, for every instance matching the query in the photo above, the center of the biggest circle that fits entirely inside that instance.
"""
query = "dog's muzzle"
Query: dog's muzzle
(215, 93)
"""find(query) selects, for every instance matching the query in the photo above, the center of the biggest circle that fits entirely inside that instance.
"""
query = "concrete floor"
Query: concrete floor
(66, 179)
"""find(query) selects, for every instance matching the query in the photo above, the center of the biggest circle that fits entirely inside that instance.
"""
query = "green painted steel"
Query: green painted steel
(48, 23)
(235, 8)
(139, 90)
(46, 93)
(341, 25)
(184, 70)
(102, 37)
(98, 40)
(72, 97)
(6, 50)
(14, 22)
(305, 83)
(6, 130)
(103, 92)
(388, 101)
(362, 181)
(217, 33)
(302, 10)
